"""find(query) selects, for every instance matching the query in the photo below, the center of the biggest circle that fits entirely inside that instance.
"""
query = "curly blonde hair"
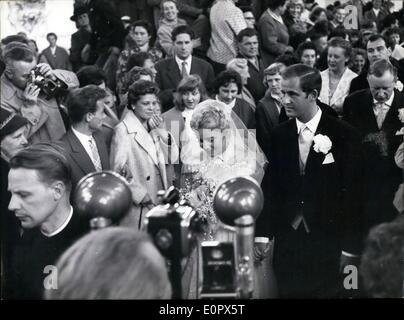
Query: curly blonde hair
(209, 114)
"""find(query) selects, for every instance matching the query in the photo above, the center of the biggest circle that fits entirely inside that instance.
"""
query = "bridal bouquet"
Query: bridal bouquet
(198, 191)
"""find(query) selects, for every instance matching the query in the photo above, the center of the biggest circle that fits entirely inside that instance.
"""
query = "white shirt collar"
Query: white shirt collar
(81, 136)
(188, 63)
(275, 16)
(387, 103)
(62, 227)
(312, 124)
(53, 50)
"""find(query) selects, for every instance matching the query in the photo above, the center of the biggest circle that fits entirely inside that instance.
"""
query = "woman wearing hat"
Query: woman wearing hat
(12, 139)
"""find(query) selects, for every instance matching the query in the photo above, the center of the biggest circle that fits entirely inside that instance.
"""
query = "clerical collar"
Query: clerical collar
(62, 227)
(312, 124)
(389, 102)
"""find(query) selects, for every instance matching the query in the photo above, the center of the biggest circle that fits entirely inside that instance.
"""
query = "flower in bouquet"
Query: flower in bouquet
(198, 191)
(401, 117)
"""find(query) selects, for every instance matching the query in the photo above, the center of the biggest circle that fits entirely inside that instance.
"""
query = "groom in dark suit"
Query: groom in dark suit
(84, 143)
(374, 112)
(310, 189)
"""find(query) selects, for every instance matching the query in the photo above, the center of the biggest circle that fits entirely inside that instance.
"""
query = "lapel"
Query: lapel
(102, 150)
(315, 159)
(291, 156)
(173, 72)
(195, 67)
(273, 112)
(391, 120)
(142, 137)
(368, 116)
(79, 154)
(341, 89)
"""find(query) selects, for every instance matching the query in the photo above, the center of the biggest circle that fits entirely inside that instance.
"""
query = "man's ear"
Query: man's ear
(9, 72)
(59, 190)
(89, 116)
(389, 51)
(313, 95)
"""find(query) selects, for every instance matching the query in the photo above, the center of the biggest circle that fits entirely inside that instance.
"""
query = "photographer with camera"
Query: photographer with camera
(33, 91)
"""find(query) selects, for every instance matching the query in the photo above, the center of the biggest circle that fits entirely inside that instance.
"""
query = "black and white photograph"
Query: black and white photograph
(205, 156)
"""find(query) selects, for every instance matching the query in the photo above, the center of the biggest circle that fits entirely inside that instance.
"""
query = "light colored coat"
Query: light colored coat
(340, 93)
(141, 157)
(45, 121)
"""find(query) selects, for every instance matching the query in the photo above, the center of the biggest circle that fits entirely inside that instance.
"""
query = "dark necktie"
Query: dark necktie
(282, 115)
(184, 72)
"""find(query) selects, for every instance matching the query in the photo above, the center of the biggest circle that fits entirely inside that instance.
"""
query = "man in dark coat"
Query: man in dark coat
(376, 50)
(374, 112)
(170, 71)
(86, 111)
(311, 192)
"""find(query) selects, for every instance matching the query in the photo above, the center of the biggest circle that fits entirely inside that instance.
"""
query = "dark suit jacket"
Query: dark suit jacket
(245, 112)
(78, 41)
(255, 83)
(79, 160)
(267, 117)
(361, 81)
(169, 76)
(274, 38)
(307, 265)
(58, 61)
(381, 175)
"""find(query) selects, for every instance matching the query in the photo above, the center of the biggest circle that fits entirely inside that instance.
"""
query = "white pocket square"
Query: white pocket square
(328, 159)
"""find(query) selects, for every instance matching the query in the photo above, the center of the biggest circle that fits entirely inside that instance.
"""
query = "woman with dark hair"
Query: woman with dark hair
(142, 149)
(318, 14)
(337, 78)
(228, 86)
(359, 57)
(190, 92)
(136, 59)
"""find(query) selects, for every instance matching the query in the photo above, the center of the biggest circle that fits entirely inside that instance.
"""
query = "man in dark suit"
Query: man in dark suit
(170, 71)
(374, 112)
(80, 38)
(83, 142)
(310, 188)
(56, 57)
(270, 111)
(376, 50)
(248, 49)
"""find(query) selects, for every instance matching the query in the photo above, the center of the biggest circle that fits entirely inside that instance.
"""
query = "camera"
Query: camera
(49, 87)
(173, 226)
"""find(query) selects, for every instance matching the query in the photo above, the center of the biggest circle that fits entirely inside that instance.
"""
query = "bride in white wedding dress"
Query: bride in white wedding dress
(216, 147)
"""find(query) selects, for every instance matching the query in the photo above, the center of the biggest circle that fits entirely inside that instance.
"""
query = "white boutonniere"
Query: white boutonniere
(401, 118)
(399, 85)
(322, 144)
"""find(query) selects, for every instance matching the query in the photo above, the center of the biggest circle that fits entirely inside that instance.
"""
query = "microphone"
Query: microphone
(244, 226)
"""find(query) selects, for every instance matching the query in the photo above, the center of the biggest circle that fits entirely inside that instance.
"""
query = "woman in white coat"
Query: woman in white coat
(142, 150)
(336, 80)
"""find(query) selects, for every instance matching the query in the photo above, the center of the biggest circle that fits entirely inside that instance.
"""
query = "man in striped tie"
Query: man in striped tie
(84, 144)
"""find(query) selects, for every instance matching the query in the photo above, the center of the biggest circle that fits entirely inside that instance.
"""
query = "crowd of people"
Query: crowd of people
(306, 100)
